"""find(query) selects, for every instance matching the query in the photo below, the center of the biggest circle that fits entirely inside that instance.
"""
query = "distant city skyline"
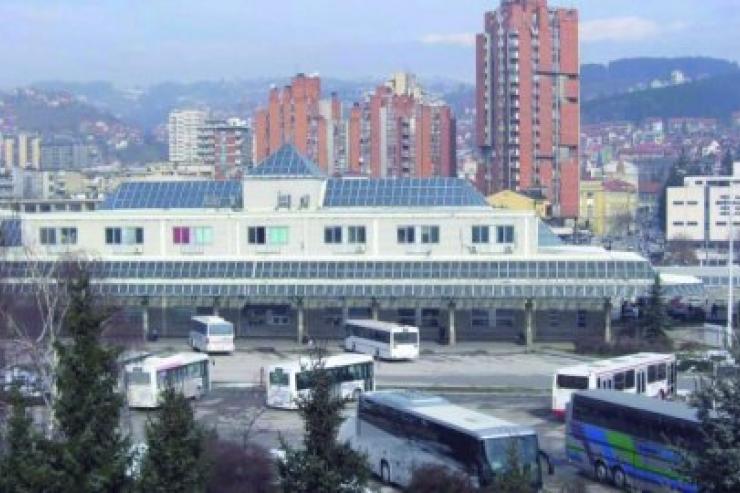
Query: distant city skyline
(132, 42)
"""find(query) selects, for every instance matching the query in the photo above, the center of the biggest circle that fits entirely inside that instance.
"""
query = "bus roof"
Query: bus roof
(606, 365)
(442, 411)
(329, 362)
(381, 325)
(210, 319)
(164, 362)
(677, 410)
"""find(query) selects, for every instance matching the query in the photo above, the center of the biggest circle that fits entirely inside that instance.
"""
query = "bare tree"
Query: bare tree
(33, 310)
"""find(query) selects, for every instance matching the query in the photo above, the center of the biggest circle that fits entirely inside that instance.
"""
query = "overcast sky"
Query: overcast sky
(145, 41)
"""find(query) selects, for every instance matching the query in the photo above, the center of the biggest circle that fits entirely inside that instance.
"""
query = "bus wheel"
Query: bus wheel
(601, 472)
(385, 472)
(620, 478)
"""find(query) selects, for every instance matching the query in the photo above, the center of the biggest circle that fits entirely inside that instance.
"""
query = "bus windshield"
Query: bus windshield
(405, 338)
(571, 382)
(138, 378)
(279, 377)
(498, 450)
(220, 329)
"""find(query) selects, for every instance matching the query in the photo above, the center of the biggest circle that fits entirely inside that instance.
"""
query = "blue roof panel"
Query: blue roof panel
(286, 161)
(175, 195)
(402, 192)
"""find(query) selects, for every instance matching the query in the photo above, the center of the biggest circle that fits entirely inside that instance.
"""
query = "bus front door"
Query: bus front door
(641, 382)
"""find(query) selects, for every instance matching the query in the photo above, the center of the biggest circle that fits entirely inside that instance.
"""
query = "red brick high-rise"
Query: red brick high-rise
(527, 91)
(292, 116)
(399, 131)
(395, 131)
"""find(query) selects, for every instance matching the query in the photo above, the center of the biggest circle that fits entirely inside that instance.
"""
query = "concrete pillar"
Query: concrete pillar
(529, 322)
(164, 316)
(145, 319)
(417, 315)
(375, 309)
(608, 320)
(216, 306)
(451, 328)
(300, 322)
(345, 310)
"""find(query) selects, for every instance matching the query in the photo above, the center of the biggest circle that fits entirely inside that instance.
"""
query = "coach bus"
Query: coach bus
(401, 431)
(384, 340)
(650, 374)
(632, 441)
(211, 334)
(350, 375)
(146, 379)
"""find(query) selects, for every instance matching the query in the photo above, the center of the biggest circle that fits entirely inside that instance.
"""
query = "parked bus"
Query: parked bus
(631, 440)
(384, 340)
(401, 431)
(146, 379)
(350, 374)
(211, 334)
(651, 374)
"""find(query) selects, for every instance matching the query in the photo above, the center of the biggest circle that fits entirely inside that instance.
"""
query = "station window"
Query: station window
(48, 236)
(405, 234)
(333, 234)
(256, 235)
(581, 319)
(481, 234)
(356, 234)
(68, 236)
(277, 235)
(124, 236)
(430, 234)
(181, 235)
(505, 234)
(202, 235)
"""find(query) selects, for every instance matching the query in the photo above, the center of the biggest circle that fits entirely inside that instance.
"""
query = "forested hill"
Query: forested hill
(714, 97)
(620, 76)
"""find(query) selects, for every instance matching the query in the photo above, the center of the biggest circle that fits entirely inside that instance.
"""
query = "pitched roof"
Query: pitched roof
(287, 161)
(175, 195)
(401, 192)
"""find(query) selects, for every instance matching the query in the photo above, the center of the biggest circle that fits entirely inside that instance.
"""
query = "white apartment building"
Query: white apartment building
(183, 128)
(700, 210)
(291, 251)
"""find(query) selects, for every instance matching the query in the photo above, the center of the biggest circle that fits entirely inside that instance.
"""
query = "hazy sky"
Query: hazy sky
(144, 41)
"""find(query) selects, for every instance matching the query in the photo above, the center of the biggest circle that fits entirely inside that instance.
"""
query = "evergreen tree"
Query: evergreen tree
(94, 454)
(175, 461)
(25, 466)
(323, 464)
(715, 462)
(653, 320)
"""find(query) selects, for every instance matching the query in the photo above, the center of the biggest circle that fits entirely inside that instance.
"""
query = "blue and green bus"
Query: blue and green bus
(631, 441)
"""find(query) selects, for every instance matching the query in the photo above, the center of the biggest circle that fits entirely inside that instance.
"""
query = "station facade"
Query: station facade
(291, 252)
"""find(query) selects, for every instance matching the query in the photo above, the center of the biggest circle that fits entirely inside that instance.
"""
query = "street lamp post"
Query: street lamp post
(731, 264)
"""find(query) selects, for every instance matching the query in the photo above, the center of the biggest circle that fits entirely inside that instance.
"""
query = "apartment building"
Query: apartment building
(183, 128)
(226, 145)
(701, 210)
(527, 98)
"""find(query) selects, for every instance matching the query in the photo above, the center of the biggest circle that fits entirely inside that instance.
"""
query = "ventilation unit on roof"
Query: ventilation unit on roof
(305, 201)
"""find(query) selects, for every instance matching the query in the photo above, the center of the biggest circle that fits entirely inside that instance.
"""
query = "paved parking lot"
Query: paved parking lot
(502, 380)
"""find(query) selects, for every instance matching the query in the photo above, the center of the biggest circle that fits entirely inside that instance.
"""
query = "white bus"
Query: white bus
(351, 375)
(651, 374)
(146, 379)
(384, 340)
(211, 334)
(401, 431)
